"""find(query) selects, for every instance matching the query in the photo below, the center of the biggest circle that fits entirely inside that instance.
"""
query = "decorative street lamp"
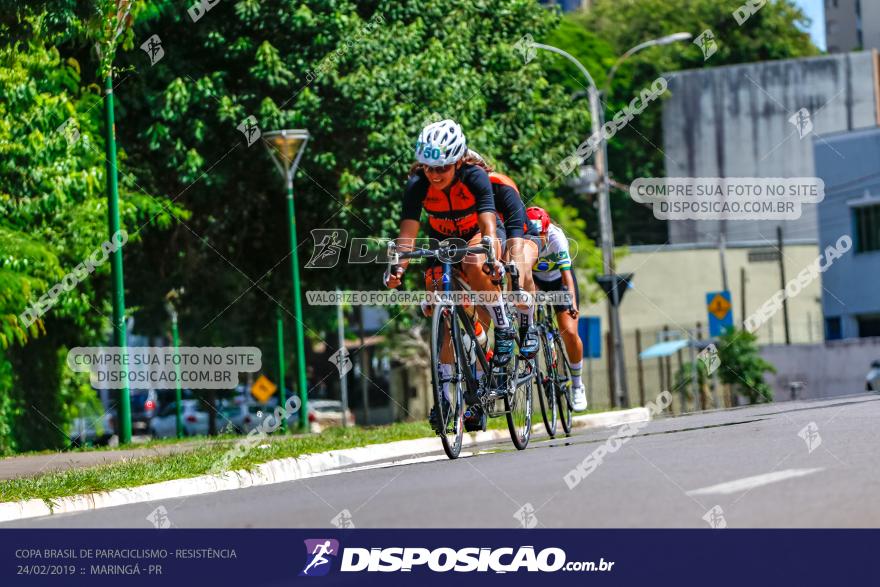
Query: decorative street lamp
(286, 148)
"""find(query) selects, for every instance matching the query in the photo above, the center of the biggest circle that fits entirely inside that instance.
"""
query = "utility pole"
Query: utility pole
(722, 248)
(365, 366)
(742, 295)
(282, 395)
(597, 114)
(343, 356)
(782, 284)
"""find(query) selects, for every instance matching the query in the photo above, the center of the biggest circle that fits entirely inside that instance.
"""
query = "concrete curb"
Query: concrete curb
(283, 470)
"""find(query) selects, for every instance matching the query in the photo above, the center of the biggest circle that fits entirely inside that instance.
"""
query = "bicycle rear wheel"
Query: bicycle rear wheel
(518, 404)
(450, 426)
(563, 385)
(546, 389)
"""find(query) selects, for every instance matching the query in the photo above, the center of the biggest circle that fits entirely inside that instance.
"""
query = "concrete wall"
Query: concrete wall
(828, 369)
(734, 122)
(849, 163)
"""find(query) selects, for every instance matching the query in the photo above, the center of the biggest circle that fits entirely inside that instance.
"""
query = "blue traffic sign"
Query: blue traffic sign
(720, 310)
(591, 335)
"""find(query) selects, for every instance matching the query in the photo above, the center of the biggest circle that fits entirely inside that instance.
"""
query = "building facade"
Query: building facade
(852, 25)
(849, 163)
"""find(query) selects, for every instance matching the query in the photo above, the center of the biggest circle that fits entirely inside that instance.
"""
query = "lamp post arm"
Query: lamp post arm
(571, 58)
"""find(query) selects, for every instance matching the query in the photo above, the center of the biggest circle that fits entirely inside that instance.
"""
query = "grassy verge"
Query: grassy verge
(205, 454)
(199, 461)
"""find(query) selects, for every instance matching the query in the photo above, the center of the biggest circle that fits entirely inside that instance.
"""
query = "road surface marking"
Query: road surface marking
(747, 483)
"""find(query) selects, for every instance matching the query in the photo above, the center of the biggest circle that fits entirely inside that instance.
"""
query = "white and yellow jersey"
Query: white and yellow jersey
(553, 257)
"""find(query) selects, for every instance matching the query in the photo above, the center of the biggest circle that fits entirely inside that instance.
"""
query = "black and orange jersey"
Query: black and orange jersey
(453, 214)
(508, 205)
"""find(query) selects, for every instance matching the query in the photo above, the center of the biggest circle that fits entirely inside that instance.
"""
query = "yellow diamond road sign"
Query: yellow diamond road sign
(262, 389)
(719, 306)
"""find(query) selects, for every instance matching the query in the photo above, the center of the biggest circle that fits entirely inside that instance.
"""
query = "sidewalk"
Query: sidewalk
(25, 466)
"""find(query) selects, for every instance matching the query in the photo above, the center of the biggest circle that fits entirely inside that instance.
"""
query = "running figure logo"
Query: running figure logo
(707, 43)
(328, 243)
(802, 121)
(153, 48)
(317, 551)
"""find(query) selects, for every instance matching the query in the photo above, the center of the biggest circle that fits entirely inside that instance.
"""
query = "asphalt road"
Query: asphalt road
(746, 467)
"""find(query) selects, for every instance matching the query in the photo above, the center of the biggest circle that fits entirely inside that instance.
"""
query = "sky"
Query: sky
(815, 9)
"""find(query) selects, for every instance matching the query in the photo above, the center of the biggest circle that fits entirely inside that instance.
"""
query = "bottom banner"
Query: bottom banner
(433, 557)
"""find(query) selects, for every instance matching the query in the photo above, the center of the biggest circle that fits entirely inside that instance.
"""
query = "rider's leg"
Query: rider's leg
(434, 282)
(523, 253)
(574, 348)
(472, 266)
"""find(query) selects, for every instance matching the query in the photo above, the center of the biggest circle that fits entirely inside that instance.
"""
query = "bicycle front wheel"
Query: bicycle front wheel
(546, 389)
(447, 388)
(518, 404)
(563, 385)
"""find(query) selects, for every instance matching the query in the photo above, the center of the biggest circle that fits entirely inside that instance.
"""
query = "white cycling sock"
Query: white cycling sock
(446, 373)
(576, 374)
(499, 314)
(526, 318)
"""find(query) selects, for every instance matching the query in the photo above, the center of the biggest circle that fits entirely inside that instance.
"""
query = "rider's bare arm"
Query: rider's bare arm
(568, 282)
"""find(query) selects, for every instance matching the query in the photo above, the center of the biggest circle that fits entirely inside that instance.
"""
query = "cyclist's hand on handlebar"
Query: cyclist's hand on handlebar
(494, 270)
(393, 277)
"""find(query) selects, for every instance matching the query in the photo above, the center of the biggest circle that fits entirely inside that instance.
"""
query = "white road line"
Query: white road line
(747, 483)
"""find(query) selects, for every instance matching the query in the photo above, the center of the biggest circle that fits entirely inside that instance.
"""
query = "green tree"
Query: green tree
(363, 78)
(52, 217)
(742, 366)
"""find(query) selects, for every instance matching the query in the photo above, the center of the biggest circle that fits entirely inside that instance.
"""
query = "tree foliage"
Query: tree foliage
(362, 77)
(52, 216)
(742, 366)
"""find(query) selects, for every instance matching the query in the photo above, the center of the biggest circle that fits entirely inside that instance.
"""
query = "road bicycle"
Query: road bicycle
(554, 373)
(453, 323)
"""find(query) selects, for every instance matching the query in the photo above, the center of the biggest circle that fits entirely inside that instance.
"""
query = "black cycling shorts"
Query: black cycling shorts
(556, 285)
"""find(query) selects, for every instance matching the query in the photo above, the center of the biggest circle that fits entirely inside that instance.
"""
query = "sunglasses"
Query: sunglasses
(438, 169)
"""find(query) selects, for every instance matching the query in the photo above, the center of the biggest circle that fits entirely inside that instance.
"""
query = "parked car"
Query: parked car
(196, 418)
(144, 406)
(92, 430)
(324, 413)
(872, 380)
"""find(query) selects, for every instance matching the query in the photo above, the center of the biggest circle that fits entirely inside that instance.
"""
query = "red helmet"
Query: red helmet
(539, 218)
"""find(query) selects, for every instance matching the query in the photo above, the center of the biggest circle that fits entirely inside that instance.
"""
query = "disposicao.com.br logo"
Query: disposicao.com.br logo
(441, 560)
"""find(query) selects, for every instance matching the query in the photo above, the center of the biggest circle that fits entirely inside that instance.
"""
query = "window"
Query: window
(869, 326)
(867, 224)
(832, 328)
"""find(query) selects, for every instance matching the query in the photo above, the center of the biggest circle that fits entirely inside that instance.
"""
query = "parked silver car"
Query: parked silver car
(872, 380)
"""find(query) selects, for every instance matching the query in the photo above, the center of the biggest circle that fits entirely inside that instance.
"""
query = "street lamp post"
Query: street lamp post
(171, 307)
(597, 119)
(605, 229)
(286, 148)
(119, 332)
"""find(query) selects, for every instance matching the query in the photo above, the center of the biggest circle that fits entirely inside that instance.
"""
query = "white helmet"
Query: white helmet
(441, 143)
